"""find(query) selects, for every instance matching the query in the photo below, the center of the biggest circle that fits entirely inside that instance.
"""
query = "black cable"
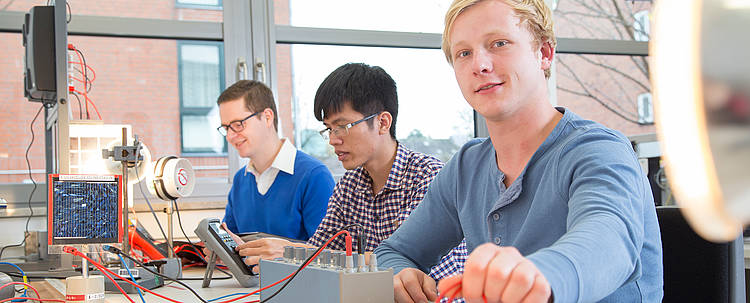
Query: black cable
(296, 272)
(179, 222)
(90, 83)
(85, 78)
(140, 187)
(80, 108)
(360, 236)
(31, 195)
(119, 252)
(85, 68)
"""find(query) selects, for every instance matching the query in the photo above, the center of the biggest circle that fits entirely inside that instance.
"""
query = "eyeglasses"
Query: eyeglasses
(342, 130)
(236, 125)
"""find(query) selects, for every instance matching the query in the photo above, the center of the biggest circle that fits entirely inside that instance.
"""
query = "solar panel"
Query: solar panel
(84, 209)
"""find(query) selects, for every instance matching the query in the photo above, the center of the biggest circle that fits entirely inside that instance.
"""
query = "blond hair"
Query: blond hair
(535, 13)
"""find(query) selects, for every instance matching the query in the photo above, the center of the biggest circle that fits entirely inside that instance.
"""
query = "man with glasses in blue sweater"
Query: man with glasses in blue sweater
(281, 191)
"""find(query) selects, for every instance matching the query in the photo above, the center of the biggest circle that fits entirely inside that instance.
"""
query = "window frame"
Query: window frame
(269, 34)
(219, 6)
(198, 111)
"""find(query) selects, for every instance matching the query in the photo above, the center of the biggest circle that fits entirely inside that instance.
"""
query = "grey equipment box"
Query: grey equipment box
(325, 285)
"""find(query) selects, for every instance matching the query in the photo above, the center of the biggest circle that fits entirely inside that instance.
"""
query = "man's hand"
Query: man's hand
(411, 285)
(499, 274)
(266, 248)
(234, 237)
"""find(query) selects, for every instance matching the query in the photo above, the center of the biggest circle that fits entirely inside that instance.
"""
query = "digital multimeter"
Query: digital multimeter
(222, 244)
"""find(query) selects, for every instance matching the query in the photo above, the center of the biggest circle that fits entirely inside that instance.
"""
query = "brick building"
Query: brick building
(140, 82)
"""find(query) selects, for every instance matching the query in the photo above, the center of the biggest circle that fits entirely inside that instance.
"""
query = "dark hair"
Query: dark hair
(257, 97)
(369, 90)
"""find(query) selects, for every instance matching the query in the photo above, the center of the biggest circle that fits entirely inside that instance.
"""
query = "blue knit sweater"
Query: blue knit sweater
(292, 207)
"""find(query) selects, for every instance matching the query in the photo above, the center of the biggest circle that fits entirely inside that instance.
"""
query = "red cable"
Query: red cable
(22, 283)
(85, 88)
(35, 299)
(93, 77)
(75, 252)
(87, 104)
(101, 267)
(348, 245)
(292, 274)
(458, 288)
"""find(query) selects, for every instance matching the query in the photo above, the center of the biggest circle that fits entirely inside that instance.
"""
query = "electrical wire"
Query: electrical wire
(25, 278)
(227, 296)
(309, 259)
(86, 97)
(290, 276)
(122, 261)
(31, 195)
(80, 109)
(179, 221)
(25, 285)
(102, 269)
(140, 187)
(82, 63)
(75, 252)
(83, 66)
(450, 289)
(35, 299)
(121, 254)
(106, 272)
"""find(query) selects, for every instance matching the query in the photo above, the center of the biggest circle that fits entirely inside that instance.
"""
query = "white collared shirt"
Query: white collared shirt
(284, 161)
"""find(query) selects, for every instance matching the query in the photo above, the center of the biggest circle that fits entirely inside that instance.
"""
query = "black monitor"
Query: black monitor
(40, 84)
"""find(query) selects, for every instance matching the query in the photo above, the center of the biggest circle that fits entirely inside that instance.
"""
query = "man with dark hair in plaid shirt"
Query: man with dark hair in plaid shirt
(384, 181)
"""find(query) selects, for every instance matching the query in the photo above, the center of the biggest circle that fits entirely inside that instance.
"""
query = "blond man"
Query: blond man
(552, 206)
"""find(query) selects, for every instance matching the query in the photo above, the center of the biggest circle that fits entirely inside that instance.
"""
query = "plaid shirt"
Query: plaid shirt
(353, 201)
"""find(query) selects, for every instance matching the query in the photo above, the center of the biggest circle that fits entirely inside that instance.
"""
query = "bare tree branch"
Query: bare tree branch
(566, 13)
(608, 67)
(621, 97)
(600, 102)
(642, 64)
(587, 93)
(7, 5)
(577, 22)
(600, 10)
(628, 25)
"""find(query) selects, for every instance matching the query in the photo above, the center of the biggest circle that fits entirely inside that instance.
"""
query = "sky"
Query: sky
(429, 97)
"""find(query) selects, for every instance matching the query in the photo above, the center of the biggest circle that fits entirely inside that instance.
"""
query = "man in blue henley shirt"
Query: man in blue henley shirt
(281, 191)
(552, 206)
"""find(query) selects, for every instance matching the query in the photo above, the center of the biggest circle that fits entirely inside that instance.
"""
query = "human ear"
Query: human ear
(548, 54)
(384, 122)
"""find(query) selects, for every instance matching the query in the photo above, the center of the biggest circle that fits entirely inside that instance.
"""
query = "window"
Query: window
(641, 26)
(384, 15)
(611, 90)
(201, 70)
(205, 4)
(594, 19)
(433, 116)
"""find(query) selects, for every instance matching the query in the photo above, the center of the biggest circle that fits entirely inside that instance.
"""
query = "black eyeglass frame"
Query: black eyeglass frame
(326, 133)
(224, 128)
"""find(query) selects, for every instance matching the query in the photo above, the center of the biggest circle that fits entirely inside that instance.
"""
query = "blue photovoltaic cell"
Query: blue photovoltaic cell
(85, 210)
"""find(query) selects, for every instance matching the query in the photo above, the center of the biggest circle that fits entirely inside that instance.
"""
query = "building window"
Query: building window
(201, 70)
(205, 4)
(641, 26)
(433, 118)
